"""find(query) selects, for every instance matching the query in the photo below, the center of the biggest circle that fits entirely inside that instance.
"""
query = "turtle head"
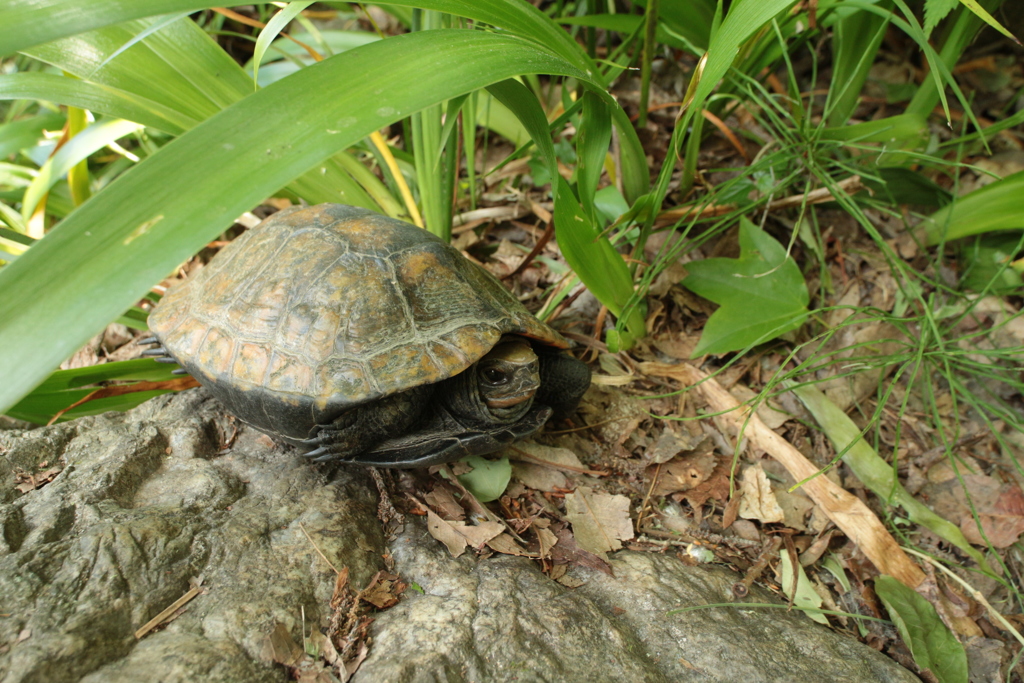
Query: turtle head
(508, 375)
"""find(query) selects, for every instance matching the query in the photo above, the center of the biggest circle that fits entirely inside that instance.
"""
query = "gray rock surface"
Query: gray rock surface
(150, 499)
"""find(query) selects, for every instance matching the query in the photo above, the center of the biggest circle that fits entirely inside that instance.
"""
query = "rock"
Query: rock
(150, 499)
(500, 619)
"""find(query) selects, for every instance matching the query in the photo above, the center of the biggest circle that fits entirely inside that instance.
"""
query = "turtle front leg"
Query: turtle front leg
(363, 427)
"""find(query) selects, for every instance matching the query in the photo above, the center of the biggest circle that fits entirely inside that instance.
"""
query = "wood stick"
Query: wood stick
(847, 511)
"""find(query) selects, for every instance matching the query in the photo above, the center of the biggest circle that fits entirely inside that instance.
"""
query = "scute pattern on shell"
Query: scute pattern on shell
(322, 308)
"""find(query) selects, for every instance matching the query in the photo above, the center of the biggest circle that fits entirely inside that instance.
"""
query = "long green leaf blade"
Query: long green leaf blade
(94, 97)
(32, 22)
(152, 218)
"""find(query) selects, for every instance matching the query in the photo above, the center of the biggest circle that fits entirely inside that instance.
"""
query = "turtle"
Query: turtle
(365, 339)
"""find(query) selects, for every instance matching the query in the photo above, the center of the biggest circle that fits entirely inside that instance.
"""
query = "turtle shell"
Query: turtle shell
(319, 309)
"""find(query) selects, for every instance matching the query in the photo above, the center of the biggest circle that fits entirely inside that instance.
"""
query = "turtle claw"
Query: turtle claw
(318, 455)
(179, 371)
(165, 359)
(149, 340)
(158, 351)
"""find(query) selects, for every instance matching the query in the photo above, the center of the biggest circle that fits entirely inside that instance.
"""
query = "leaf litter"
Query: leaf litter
(713, 480)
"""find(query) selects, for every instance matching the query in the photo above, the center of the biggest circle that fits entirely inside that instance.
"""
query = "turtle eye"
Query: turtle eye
(494, 376)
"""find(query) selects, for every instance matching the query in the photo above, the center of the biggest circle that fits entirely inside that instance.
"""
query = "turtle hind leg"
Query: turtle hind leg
(361, 428)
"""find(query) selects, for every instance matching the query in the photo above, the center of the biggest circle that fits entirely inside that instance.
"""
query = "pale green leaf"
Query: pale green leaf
(94, 138)
(276, 24)
(488, 479)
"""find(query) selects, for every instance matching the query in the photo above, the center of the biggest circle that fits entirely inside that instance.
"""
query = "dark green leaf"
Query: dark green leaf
(761, 295)
(593, 136)
(934, 647)
(594, 259)
(64, 387)
(997, 206)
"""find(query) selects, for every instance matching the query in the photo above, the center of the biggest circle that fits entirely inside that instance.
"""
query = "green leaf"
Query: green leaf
(95, 137)
(593, 136)
(894, 131)
(986, 263)
(937, 10)
(856, 36)
(64, 387)
(983, 14)
(31, 22)
(594, 259)
(517, 99)
(153, 218)
(762, 294)
(276, 24)
(19, 135)
(997, 206)
(904, 186)
(804, 595)
(488, 479)
(934, 646)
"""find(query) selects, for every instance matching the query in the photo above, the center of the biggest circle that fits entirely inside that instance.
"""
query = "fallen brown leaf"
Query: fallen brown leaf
(682, 473)
(757, 500)
(443, 502)
(280, 647)
(384, 590)
(446, 533)
(545, 541)
(29, 482)
(1000, 509)
(568, 552)
(600, 521)
(505, 544)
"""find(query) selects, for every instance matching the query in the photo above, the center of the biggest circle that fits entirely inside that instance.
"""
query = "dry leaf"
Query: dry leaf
(545, 541)
(384, 590)
(671, 443)
(280, 647)
(353, 664)
(568, 552)
(505, 544)
(683, 473)
(717, 485)
(29, 482)
(479, 534)
(1000, 510)
(559, 458)
(446, 533)
(340, 588)
(599, 520)
(444, 503)
(758, 502)
(543, 467)
(539, 477)
(795, 507)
